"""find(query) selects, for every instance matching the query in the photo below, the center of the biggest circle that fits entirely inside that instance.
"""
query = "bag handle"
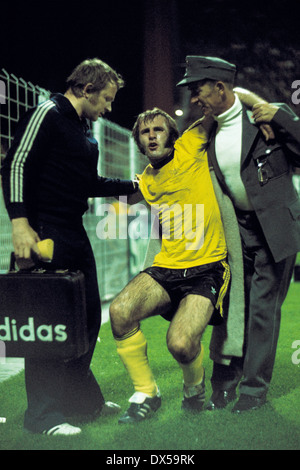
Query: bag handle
(12, 264)
(46, 248)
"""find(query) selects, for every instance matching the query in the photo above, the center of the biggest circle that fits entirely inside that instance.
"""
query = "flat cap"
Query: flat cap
(200, 68)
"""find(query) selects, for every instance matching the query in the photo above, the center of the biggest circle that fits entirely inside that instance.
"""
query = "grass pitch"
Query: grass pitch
(276, 426)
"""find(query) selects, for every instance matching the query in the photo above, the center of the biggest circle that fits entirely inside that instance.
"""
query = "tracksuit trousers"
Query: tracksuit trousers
(58, 389)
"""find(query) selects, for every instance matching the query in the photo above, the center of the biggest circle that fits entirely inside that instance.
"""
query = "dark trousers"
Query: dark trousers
(57, 389)
(266, 286)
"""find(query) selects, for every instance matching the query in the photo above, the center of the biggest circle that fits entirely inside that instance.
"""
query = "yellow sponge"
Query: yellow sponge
(46, 248)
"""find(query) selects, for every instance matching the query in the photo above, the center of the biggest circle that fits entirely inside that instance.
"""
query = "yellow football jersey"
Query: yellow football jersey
(181, 192)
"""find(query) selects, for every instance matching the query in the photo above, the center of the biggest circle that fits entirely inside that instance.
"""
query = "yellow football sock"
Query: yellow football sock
(132, 349)
(194, 370)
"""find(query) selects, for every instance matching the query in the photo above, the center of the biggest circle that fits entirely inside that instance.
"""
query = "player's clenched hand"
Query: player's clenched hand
(264, 112)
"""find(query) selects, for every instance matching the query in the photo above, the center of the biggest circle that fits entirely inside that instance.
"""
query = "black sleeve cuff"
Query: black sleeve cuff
(16, 210)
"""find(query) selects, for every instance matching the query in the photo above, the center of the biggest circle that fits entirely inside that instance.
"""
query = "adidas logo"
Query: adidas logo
(9, 331)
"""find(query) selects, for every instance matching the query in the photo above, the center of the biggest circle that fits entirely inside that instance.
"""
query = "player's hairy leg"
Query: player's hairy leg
(143, 297)
(187, 326)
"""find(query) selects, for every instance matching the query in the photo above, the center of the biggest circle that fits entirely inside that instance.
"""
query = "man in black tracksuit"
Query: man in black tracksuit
(48, 174)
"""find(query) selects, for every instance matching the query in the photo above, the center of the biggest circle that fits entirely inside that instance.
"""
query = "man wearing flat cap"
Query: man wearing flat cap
(255, 171)
(207, 68)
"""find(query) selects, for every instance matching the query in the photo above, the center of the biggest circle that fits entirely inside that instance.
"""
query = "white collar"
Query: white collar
(230, 113)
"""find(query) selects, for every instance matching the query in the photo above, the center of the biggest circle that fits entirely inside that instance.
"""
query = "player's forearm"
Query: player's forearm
(248, 97)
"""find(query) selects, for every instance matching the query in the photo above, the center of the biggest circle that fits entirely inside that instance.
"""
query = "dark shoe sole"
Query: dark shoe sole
(213, 405)
(133, 418)
(252, 404)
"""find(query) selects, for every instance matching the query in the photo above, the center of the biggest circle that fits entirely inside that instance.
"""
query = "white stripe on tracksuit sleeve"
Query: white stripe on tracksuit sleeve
(21, 154)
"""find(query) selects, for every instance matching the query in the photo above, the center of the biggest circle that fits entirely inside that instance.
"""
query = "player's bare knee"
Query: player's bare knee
(119, 316)
(181, 349)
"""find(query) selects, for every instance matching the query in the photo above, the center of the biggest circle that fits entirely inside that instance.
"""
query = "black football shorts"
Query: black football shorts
(209, 280)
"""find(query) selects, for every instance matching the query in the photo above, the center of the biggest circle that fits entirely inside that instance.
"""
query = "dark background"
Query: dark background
(147, 41)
